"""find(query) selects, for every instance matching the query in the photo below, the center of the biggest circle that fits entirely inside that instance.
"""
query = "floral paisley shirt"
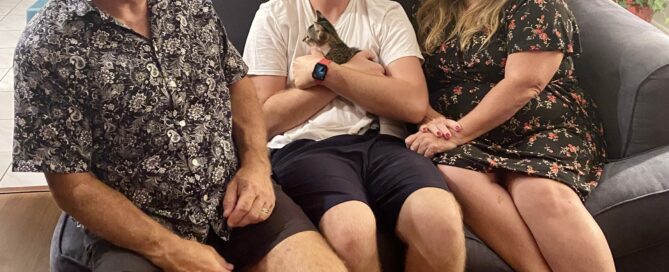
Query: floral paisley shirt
(150, 117)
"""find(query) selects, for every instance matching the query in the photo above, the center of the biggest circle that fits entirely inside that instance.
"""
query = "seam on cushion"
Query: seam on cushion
(634, 107)
(642, 249)
(606, 209)
(637, 155)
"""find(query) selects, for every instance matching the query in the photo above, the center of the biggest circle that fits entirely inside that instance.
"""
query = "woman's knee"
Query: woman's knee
(539, 197)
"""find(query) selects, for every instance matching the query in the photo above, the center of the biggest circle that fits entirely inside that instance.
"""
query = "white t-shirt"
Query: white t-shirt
(275, 40)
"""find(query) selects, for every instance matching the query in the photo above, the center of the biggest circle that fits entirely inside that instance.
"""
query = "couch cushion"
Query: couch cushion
(632, 201)
(623, 68)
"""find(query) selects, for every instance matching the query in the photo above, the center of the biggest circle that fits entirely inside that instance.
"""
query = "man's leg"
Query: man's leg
(305, 251)
(350, 227)
(286, 241)
(325, 179)
(431, 224)
(410, 197)
(78, 250)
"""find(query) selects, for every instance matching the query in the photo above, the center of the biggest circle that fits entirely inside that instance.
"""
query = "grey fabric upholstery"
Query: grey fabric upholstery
(631, 204)
(624, 67)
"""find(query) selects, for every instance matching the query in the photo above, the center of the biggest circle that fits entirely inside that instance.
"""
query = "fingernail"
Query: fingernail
(439, 133)
(458, 128)
(424, 129)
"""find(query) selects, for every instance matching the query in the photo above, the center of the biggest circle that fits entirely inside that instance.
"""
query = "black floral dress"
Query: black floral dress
(556, 135)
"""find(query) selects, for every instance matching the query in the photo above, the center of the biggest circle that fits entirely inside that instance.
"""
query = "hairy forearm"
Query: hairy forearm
(382, 95)
(498, 106)
(110, 215)
(292, 107)
(249, 126)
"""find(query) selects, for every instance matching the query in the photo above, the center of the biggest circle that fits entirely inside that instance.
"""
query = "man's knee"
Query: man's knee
(429, 212)
(349, 227)
(123, 261)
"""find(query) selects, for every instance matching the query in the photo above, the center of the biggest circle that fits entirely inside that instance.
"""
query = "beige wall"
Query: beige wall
(660, 20)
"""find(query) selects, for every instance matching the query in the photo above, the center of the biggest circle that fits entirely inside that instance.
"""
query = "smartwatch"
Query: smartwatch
(321, 70)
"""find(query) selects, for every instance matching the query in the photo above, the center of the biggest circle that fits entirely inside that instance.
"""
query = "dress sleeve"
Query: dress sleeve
(52, 127)
(542, 25)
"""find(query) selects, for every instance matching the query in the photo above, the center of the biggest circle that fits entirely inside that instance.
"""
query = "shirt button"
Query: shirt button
(182, 123)
(195, 162)
(173, 84)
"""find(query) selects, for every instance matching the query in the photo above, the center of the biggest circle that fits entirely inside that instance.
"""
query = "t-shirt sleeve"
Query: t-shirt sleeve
(52, 132)
(397, 38)
(542, 25)
(265, 51)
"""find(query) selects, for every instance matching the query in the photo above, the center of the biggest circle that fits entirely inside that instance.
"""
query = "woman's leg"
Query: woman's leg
(489, 210)
(568, 236)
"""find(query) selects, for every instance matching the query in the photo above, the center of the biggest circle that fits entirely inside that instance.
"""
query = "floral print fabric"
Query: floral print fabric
(557, 134)
(151, 118)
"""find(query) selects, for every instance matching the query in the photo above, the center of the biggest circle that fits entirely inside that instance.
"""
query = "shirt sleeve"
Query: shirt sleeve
(52, 132)
(546, 25)
(266, 52)
(397, 38)
(233, 64)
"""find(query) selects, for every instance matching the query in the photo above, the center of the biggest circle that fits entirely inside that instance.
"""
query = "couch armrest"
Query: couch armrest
(632, 201)
(625, 67)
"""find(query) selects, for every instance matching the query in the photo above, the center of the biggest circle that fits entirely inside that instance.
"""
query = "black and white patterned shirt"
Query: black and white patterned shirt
(149, 117)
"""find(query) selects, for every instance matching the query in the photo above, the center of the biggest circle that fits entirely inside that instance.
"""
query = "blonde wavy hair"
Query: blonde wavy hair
(434, 16)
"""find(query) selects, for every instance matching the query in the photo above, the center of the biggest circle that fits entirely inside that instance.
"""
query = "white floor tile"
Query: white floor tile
(13, 179)
(13, 22)
(5, 9)
(6, 105)
(9, 38)
(7, 83)
(6, 57)
(5, 160)
(6, 135)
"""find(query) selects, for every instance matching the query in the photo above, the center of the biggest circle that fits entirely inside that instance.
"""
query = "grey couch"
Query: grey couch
(625, 67)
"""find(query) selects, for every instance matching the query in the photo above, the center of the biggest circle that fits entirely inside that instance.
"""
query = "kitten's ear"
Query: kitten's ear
(319, 15)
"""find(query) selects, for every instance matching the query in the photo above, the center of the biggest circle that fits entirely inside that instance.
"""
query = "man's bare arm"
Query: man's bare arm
(110, 215)
(401, 94)
(249, 198)
(284, 108)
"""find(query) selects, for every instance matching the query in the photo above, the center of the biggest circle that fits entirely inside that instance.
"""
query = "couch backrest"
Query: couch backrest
(624, 66)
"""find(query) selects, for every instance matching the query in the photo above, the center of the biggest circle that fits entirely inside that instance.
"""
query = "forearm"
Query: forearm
(292, 107)
(431, 115)
(110, 215)
(382, 95)
(498, 106)
(248, 127)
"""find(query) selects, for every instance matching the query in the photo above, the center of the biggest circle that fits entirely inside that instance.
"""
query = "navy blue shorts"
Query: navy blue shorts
(375, 169)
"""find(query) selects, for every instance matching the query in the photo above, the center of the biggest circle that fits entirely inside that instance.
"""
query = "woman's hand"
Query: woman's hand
(427, 144)
(440, 126)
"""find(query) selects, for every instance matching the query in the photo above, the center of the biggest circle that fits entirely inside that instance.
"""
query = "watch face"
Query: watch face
(320, 71)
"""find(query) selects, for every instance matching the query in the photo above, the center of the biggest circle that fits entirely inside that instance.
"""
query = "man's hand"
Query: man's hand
(303, 68)
(249, 198)
(427, 144)
(184, 256)
(364, 62)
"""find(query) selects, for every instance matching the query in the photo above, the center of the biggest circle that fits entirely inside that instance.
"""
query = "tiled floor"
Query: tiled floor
(12, 22)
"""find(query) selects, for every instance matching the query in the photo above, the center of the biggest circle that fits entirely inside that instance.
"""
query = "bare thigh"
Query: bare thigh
(569, 238)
